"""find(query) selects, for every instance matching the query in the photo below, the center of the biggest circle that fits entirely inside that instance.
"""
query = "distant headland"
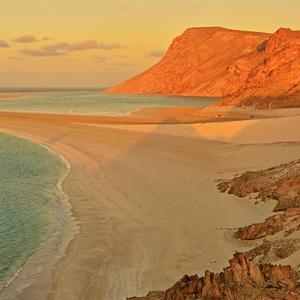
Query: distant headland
(246, 68)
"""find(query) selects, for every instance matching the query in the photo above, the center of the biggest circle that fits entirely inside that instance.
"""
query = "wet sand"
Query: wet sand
(143, 192)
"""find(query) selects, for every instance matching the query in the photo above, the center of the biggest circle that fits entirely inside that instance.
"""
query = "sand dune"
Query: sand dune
(146, 200)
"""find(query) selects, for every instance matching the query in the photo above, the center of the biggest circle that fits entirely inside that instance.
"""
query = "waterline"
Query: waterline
(93, 102)
(52, 207)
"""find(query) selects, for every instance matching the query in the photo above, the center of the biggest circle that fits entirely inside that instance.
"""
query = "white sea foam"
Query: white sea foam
(52, 245)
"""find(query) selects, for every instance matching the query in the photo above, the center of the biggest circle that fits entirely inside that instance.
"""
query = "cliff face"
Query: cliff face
(273, 80)
(197, 63)
(248, 68)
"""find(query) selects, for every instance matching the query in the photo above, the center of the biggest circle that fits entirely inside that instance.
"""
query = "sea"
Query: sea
(35, 214)
(88, 101)
(34, 211)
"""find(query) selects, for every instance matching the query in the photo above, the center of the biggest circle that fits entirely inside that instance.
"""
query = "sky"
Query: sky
(103, 42)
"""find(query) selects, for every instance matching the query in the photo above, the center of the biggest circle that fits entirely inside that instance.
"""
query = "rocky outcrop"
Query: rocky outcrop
(288, 221)
(281, 183)
(270, 251)
(200, 62)
(273, 80)
(248, 68)
(242, 279)
(150, 296)
(251, 275)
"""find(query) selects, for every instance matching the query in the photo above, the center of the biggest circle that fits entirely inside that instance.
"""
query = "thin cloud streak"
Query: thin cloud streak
(25, 39)
(65, 48)
(16, 58)
(41, 53)
(29, 38)
(82, 46)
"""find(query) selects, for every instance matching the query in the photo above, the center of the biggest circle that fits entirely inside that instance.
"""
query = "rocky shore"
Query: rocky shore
(251, 275)
(242, 279)
(281, 183)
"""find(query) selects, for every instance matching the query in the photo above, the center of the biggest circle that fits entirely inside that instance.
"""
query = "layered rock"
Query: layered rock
(281, 183)
(273, 80)
(289, 220)
(248, 68)
(242, 279)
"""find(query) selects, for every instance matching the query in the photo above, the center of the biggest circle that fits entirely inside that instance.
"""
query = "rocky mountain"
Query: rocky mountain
(273, 78)
(247, 68)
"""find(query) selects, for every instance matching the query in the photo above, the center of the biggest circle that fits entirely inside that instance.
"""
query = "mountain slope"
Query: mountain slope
(246, 68)
(196, 63)
(274, 77)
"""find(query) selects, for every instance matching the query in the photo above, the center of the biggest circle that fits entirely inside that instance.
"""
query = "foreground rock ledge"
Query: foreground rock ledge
(281, 183)
(289, 221)
(242, 279)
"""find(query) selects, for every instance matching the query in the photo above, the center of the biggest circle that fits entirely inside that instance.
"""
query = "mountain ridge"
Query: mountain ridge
(246, 68)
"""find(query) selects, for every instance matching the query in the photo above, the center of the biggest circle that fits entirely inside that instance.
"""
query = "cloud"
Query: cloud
(4, 44)
(41, 53)
(156, 53)
(24, 39)
(81, 46)
(100, 59)
(64, 48)
(16, 58)
(46, 38)
(29, 38)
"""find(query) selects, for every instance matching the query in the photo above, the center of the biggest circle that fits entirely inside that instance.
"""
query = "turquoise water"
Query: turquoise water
(92, 102)
(30, 212)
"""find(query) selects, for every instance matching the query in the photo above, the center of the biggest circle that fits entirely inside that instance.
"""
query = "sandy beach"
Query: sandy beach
(7, 96)
(143, 191)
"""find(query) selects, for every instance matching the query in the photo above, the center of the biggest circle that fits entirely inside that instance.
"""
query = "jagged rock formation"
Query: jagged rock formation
(270, 251)
(248, 68)
(242, 279)
(281, 183)
(290, 219)
(250, 275)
